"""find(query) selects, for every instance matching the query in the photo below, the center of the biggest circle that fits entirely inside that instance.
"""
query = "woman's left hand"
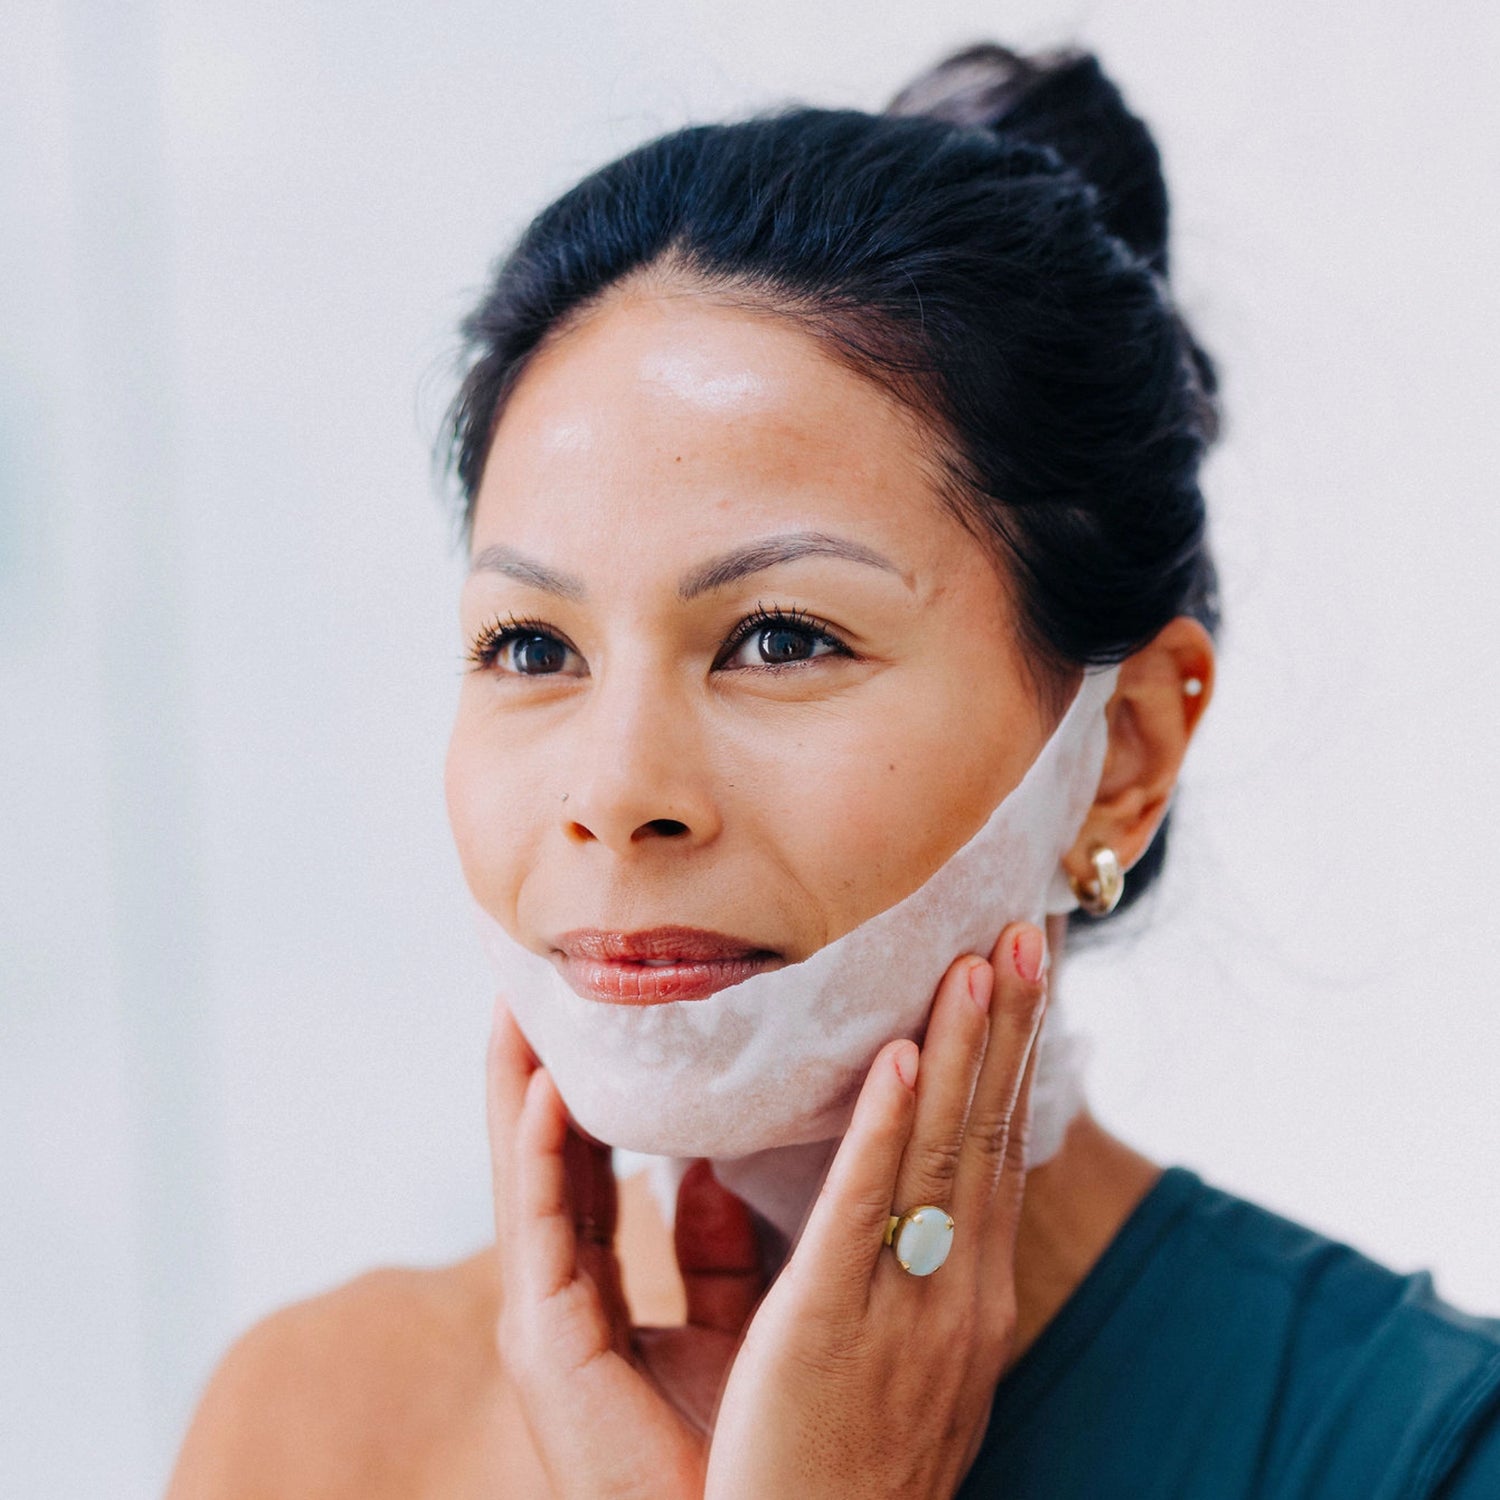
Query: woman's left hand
(857, 1379)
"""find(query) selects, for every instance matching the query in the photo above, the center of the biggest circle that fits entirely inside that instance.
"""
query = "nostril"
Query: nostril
(668, 828)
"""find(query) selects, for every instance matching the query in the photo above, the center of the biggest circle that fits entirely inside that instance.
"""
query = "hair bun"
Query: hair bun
(1065, 101)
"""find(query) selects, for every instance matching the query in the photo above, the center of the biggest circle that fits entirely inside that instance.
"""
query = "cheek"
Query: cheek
(868, 814)
(492, 811)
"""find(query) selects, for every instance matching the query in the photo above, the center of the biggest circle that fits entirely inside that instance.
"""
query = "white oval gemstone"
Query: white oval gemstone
(923, 1241)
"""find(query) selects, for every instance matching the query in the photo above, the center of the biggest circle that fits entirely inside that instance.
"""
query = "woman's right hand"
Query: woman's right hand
(614, 1412)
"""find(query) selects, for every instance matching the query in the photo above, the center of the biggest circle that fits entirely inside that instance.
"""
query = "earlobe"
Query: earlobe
(1159, 700)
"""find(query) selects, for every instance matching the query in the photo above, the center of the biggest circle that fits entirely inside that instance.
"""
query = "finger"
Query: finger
(594, 1194)
(544, 1246)
(509, 1063)
(716, 1252)
(1005, 1213)
(836, 1255)
(556, 1314)
(594, 1208)
(995, 1135)
(952, 1054)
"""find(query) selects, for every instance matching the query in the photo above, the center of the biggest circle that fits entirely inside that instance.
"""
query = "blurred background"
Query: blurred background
(242, 1008)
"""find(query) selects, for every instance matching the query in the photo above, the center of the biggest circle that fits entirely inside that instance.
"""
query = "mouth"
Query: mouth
(657, 964)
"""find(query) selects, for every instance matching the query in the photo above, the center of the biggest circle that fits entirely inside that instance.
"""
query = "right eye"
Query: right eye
(521, 648)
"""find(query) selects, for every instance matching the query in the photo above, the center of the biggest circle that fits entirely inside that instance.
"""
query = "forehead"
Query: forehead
(666, 417)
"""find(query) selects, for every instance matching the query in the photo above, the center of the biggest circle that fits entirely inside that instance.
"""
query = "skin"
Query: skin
(665, 773)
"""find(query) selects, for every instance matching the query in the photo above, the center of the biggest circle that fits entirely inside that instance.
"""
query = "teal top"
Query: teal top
(1219, 1352)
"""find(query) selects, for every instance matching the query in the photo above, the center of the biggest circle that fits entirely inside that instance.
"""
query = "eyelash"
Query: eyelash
(494, 637)
(795, 619)
(498, 634)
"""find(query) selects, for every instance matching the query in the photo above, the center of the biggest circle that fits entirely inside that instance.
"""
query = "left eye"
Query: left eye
(776, 643)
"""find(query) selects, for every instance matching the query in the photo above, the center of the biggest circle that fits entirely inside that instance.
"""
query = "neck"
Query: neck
(1075, 1204)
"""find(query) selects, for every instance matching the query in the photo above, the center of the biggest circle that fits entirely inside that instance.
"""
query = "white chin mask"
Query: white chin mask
(761, 1077)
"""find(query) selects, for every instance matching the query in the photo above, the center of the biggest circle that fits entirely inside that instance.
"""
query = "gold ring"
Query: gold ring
(920, 1238)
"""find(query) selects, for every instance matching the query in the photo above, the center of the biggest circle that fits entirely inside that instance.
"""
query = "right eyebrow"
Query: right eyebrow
(508, 561)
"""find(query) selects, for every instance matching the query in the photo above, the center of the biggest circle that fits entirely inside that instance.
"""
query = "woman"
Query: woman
(813, 468)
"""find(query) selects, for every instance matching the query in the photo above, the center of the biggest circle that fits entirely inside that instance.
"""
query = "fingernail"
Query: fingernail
(1027, 952)
(699, 1193)
(981, 985)
(712, 1231)
(906, 1064)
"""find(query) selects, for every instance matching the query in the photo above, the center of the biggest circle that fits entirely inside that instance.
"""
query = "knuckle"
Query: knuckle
(866, 1206)
(838, 1352)
(998, 1332)
(936, 1161)
(1002, 1312)
(927, 1176)
(995, 1341)
(991, 1134)
(1017, 1140)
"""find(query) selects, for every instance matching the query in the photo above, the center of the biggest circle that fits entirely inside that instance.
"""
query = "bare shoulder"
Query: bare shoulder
(390, 1385)
(386, 1385)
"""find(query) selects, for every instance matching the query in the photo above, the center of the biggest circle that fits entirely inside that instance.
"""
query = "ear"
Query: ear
(1151, 716)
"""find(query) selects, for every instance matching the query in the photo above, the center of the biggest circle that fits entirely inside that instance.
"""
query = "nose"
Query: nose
(639, 773)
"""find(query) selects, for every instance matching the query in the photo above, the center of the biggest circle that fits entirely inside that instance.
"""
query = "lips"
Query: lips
(657, 964)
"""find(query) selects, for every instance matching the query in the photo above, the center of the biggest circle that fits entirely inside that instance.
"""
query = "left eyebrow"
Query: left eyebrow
(767, 553)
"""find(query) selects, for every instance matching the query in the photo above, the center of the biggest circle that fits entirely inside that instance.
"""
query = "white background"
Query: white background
(243, 1007)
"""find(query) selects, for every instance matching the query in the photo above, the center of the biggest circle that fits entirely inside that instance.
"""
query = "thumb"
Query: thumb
(716, 1252)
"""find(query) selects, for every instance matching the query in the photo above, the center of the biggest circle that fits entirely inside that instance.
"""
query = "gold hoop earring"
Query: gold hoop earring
(1099, 896)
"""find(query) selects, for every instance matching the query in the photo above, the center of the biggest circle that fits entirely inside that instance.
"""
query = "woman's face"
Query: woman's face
(735, 668)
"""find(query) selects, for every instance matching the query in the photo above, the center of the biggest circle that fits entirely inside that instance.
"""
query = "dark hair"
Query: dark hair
(992, 251)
